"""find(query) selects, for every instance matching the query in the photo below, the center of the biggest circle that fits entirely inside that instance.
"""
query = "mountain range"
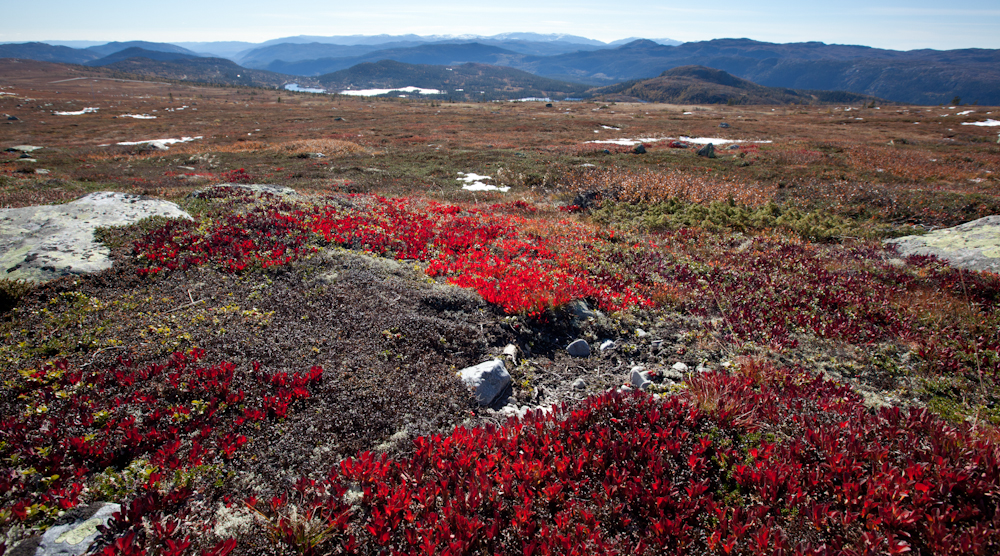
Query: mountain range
(916, 76)
(701, 85)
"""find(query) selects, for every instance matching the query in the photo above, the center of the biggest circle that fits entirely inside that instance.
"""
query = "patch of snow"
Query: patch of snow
(693, 140)
(688, 113)
(376, 92)
(532, 99)
(295, 88)
(138, 116)
(6, 93)
(78, 113)
(474, 182)
(161, 143)
(966, 112)
(988, 123)
(611, 127)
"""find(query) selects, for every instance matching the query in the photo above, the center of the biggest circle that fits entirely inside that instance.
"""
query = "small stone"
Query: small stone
(639, 149)
(708, 151)
(487, 381)
(42, 171)
(579, 348)
(608, 344)
(510, 350)
(578, 307)
(640, 333)
(680, 367)
(639, 378)
(579, 384)
(671, 374)
(724, 125)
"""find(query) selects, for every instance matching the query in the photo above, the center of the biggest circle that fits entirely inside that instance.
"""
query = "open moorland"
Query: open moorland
(278, 375)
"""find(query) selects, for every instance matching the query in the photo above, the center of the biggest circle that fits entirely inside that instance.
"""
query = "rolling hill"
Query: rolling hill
(701, 85)
(466, 81)
(206, 70)
(46, 53)
(113, 47)
(137, 52)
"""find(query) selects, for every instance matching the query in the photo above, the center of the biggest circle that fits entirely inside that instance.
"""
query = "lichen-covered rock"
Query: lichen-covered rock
(40, 243)
(973, 246)
(78, 530)
(256, 188)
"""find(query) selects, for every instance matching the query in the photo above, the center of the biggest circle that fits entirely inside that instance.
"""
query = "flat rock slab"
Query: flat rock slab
(256, 188)
(973, 246)
(41, 243)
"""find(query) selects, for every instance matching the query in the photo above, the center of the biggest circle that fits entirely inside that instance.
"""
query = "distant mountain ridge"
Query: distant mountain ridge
(425, 54)
(701, 85)
(916, 76)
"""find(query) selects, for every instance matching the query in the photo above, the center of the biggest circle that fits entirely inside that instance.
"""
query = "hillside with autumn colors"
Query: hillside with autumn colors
(277, 374)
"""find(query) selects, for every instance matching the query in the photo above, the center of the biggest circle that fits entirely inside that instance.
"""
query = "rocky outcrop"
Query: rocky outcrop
(973, 246)
(44, 242)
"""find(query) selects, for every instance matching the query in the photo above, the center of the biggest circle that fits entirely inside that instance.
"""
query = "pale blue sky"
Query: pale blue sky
(895, 24)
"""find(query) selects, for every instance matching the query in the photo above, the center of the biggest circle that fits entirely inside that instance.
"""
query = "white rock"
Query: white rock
(680, 367)
(579, 348)
(487, 381)
(579, 384)
(639, 378)
(510, 350)
(608, 344)
(640, 333)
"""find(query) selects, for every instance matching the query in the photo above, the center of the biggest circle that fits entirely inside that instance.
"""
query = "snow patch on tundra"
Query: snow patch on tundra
(474, 182)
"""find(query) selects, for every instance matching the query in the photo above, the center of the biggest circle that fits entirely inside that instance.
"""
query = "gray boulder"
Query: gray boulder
(579, 348)
(972, 246)
(708, 151)
(44, 242)
(639, 378)
(488, 381)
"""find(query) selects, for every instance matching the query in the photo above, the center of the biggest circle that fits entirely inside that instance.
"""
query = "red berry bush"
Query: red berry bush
(773, 462)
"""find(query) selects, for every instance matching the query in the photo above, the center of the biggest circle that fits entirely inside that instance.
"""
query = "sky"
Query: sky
(893, 24)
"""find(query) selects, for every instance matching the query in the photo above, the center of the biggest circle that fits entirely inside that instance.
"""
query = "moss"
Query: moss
(12, 292)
